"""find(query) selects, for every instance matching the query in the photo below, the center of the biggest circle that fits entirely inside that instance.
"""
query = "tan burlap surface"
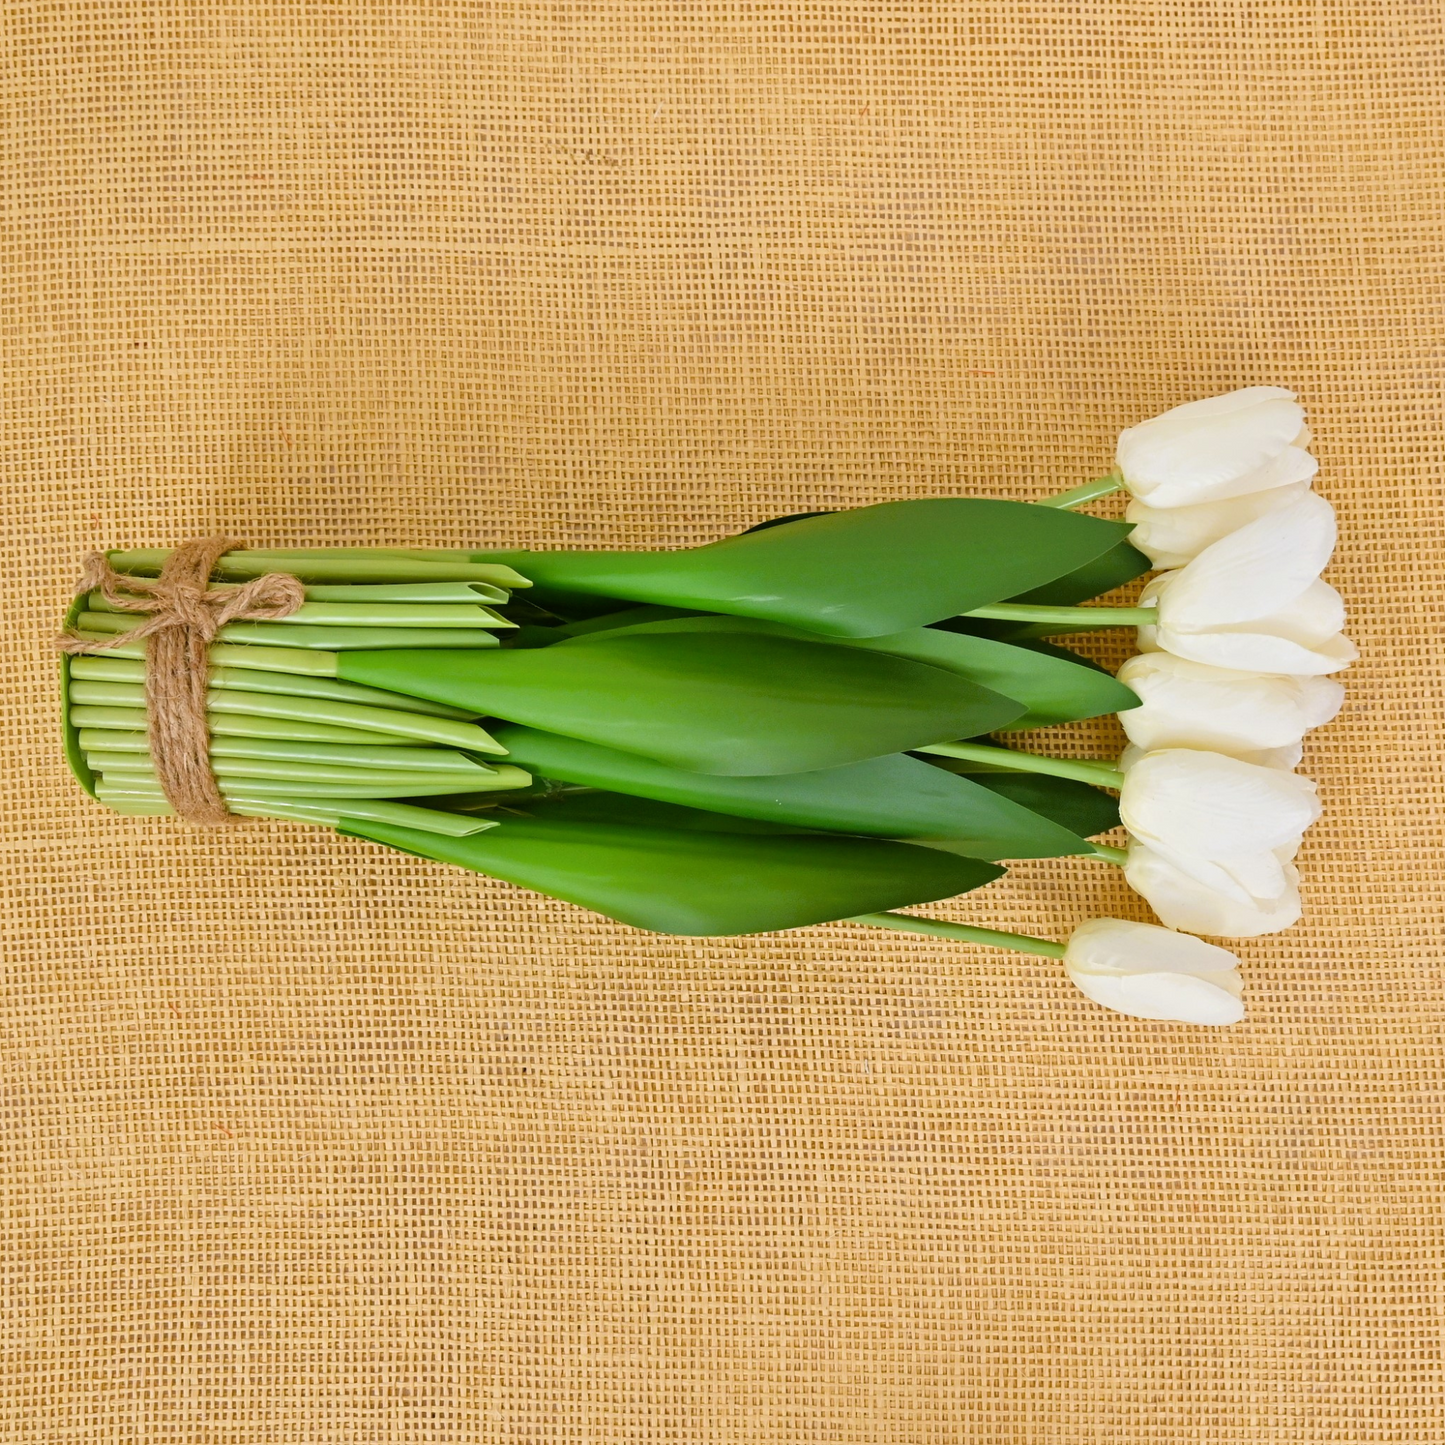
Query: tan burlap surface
(308, 1142)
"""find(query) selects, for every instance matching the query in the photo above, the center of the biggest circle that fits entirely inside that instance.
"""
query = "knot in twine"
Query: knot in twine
(183, 614)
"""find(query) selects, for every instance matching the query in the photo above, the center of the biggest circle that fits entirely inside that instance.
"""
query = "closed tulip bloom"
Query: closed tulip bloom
(1172, 536)
(1183, 902)
(1186, 704)
(1152, 973)
(1218, 819)
(1248, 441)
(1253, 601)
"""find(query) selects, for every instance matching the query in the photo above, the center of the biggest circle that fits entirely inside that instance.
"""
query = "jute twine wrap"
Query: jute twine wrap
(183, 615)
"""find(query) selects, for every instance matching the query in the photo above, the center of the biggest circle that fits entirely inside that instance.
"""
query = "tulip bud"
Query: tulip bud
(1218, 819)
(1151, 973)
(1248, 441)
(1253, 601)
(1183, 902)
(1214, 805)
(1176, 535)
(1187, 704)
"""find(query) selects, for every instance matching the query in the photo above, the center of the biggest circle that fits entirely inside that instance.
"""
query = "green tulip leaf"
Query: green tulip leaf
(886, 797)
(693, 882)
(592, 805)
(1082, 809)
(861, 573)
(731, 704)
(1120, 564)
(1055, 685)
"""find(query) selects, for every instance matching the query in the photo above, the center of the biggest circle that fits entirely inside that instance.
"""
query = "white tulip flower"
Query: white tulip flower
(1219, 819)
(1186, 704)
(1248, 441)
(1253, 601)
(1183, 902)
(1151, 973)
(1172, 536)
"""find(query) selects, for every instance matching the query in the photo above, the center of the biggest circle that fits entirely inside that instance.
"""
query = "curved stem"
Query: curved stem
(1117, 856)
(1100, 774)
(962, 932)
(1077, 496)
(1074, 616)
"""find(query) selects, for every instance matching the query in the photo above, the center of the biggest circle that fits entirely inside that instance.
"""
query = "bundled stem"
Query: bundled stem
(287, 737)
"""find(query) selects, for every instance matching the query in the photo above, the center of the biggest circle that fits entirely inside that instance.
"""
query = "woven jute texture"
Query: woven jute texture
(308, 1142)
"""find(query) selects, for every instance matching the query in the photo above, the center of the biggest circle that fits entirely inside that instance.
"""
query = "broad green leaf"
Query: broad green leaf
(1120, 564)
(1084, 810)
(575, 804)
(1053, 684)
(697, 883)
(860, 573)
(592, 805)
(887, 797)
(732, 704)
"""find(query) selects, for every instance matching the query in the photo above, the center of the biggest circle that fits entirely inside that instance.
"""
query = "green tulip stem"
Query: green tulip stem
(360, 565)
(291, 660)
(232, 679)
(322, 638)
(1077, 496)
(417, 726)
(378, 613)
(1117, 856)
(332, 814)
(1099, 773)
(1075, 616)
(130, 720)
(962, 932)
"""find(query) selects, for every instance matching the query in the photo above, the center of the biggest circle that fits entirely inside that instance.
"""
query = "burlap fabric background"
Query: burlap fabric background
(309, 1142)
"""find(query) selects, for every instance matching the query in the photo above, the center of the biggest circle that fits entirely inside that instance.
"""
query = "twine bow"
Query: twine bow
(183, 615)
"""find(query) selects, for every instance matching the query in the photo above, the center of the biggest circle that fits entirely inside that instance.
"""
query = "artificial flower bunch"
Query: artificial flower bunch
(790, 726)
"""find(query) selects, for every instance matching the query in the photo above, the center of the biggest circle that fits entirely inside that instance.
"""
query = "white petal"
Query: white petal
(1169, 997)
(1118, 945)
(1213, 805)
(1170, 537)
(1286, 758)
(1196, 452)
(1317, 614)
(1252, 651)
(1259, 872)
(1248, 877)
(1181, 901)
(1191, 705)
(1253, 572)
(1293, 464)
(1321, 699)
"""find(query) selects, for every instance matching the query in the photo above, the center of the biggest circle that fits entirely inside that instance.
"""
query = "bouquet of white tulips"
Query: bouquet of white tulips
(1232, 672)
(786, 727)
